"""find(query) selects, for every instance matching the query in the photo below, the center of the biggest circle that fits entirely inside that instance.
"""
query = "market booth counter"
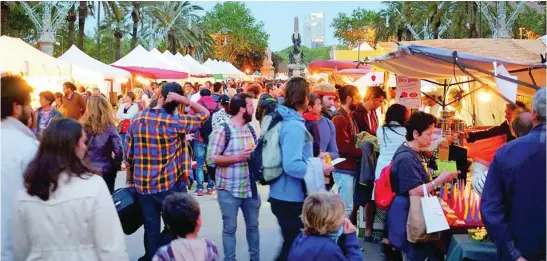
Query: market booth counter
(478, 64)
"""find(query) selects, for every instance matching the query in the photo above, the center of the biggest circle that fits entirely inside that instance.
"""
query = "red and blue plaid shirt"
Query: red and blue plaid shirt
(156, 149)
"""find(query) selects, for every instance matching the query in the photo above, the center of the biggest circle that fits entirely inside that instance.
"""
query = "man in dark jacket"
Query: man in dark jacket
(365, 114)
(503, 129)
(346, 131)
(513, 199)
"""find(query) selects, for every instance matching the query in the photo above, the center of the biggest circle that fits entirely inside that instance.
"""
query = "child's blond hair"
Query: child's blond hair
(323, 213)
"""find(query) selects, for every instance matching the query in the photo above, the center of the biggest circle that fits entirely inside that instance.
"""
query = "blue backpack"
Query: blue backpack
(269, 147)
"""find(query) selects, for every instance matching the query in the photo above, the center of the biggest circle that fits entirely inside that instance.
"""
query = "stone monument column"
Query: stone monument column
(296, 56)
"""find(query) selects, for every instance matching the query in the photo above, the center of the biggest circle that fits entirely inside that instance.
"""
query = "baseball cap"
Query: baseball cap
(224, 99)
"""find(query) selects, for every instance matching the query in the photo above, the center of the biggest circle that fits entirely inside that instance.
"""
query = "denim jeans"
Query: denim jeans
(151, 205)
(229, 207)
(288, 217)
(124, 145)
(346, 186)
(200, 151)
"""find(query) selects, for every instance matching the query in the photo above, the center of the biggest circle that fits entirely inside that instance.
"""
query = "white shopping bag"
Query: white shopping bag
(434, 218)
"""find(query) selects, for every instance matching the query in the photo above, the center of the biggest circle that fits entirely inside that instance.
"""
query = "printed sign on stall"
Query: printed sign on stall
(408, 92)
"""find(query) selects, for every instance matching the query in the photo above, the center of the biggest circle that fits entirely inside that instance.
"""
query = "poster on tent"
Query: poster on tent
(408, 92)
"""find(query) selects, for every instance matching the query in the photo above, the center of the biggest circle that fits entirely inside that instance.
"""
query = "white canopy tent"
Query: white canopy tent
(41, 71)
(142, 62)
(118, 76)
(195, 69)
(214, 67)
(193, 61)
(75, 56)
(174, 65)
(19, 57)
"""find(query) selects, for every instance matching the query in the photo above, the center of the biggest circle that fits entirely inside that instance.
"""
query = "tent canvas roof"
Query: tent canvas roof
(173, 65)
(77, 57)
(509, 50)
(19, 56)
(195, 68)
(142, 62)
(427, 62)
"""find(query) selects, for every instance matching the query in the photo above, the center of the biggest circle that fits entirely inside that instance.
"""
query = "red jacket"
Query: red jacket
(345, 139)
(364, 123)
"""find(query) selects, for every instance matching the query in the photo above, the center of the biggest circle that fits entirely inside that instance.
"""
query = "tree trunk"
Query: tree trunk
(118, 36)
(171, 42)
(472, 33)
(399, 35)
(5, 6)
(135, 16)
(71, 18)
(82, 13)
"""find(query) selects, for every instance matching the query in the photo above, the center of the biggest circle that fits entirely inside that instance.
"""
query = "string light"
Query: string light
(484, 97)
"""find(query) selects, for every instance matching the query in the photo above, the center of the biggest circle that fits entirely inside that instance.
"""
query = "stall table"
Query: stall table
(463, 248)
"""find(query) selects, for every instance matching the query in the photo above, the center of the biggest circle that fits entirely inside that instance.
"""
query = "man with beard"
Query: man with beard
(19, 146)
(229, 148)
(346, 132)
(158, 161)
(74, 102)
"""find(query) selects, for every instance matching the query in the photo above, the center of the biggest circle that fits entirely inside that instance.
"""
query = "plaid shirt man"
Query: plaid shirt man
(157, 152)
(234, 178)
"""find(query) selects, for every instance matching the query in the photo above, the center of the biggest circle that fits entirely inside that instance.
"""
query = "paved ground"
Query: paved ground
(270, 235)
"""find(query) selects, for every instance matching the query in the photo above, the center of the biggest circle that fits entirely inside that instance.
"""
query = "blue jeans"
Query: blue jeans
(151, 205)
(229, 207)
(346, 186)
(124, 145)
(200, 151)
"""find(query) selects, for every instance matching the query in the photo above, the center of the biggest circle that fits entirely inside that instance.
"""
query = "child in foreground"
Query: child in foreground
(182, 215)
(327, 234)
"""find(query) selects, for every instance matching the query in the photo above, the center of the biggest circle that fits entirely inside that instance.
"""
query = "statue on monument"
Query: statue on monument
(296, 56)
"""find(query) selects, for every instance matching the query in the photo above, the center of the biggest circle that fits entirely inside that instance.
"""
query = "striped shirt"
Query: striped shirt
(234, 178)
(156, 149)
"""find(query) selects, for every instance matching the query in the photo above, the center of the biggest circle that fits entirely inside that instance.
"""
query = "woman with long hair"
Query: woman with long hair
(65, 211)
(287, 192)
(59, 106)
(104, 144)
(390, 137)
(141, 99)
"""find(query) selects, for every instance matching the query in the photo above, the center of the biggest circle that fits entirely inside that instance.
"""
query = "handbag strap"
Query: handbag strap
(426, 195)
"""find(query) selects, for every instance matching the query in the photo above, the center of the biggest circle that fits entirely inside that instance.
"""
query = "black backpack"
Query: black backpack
(207, 126)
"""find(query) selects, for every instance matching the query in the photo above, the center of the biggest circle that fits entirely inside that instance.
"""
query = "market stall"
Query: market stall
(114, 76)
(486, 73)
(41, 71)
(140, 62)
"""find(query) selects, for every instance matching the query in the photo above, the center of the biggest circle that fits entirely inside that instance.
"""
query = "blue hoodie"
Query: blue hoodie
(295, 152)
(320, 248)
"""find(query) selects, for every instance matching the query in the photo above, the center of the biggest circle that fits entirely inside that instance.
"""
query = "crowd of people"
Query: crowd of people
(62, 160)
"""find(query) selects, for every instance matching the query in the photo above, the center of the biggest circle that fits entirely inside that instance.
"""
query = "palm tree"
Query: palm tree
(71, 19)
(5, 7)
(115, 24)
(181, 24)
(82, 15)
(389, 23)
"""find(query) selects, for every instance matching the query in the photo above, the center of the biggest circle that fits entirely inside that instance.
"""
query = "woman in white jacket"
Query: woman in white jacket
(65, 212)
(391, 136)
(126, 112)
